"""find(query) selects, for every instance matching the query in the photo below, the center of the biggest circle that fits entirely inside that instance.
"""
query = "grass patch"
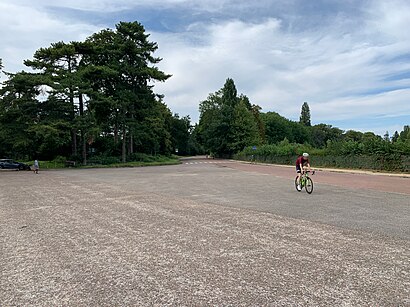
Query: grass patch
(109, 162)
(134, 164)
(47, 164)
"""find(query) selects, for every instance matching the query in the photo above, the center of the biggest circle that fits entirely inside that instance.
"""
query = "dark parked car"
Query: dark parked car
(10, 164)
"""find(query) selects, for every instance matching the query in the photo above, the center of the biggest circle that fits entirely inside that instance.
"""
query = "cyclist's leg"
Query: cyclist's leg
(299, 173)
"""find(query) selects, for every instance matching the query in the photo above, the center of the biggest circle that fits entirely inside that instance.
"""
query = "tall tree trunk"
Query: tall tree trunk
(83, 140)
(131, 144)
(73, 130)
(124, 142)
(84, 149)
(74, 141)
(116, 133)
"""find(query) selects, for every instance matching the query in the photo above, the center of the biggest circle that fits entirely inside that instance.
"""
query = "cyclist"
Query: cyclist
(301, 163)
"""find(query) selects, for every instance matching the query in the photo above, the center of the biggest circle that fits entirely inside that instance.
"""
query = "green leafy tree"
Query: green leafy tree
(180, 133)
(61, 67)
(256, 111)
(322, 133)
(305, 115)
(121, 66)
(58, 65)
(245, 129)
(158, 124)
(395, 137)
(373, 144)
(277, 127)
(194, 144)
(19, 112)
(210, 117)
(94, 90)
(226, 129)
(229, 94)
(227, 122)
(300, 133)
(405, 134)
(41, 126)
(401, 141)
(386, 136)
(352, 135)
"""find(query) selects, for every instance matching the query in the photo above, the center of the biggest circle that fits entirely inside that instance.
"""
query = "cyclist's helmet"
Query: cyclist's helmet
(305, 155)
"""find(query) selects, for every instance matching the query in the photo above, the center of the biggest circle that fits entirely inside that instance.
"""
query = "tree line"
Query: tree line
(230, 125)
(229, 122)
(90, 97)
(95, 98)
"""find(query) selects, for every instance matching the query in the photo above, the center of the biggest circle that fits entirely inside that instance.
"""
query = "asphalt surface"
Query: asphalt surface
(203, 233)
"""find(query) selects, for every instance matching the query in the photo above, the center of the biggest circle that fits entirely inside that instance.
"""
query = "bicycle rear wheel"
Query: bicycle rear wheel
(309, 185)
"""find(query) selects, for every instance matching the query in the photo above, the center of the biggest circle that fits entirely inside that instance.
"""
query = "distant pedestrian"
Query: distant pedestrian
(36, 166)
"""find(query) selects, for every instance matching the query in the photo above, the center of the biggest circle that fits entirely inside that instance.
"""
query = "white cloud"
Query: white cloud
(121, 5)
(280, 70)
(390, 19)
(388, 104)
(25, 29)
(341, 69)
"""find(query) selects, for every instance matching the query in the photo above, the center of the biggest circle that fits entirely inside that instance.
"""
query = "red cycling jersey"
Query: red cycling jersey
(301, 160)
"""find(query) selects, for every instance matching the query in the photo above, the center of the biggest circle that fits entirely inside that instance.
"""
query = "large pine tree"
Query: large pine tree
(121, 65)
(96, 90)
(59, 66)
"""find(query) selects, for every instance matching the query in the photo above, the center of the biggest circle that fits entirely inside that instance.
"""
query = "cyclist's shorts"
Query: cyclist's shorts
(298, 170)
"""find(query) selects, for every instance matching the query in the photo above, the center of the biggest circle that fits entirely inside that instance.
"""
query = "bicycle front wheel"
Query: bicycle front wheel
(309, 185)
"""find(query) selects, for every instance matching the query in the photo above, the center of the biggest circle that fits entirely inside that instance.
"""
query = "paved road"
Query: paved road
(220, 233)
(270, 189)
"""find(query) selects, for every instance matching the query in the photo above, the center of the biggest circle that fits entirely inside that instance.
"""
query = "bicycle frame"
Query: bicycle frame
(304, 176)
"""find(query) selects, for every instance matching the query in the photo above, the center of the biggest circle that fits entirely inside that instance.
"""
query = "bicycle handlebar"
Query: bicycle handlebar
(313, 172)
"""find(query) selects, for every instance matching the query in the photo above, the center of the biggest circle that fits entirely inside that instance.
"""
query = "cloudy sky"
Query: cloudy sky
(349, 59)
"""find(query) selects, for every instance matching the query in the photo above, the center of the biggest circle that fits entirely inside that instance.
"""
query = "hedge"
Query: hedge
(386, 162)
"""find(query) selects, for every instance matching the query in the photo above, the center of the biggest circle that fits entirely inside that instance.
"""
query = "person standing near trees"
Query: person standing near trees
(36, 166)
(301, 163)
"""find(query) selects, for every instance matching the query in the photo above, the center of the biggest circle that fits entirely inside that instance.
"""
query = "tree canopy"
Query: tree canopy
(305, 115)
(94, 96)
(227, 122)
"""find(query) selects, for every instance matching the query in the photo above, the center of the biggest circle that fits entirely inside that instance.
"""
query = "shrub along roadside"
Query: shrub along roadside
(108, 161)
(58, 162)
(162, 160)
(286, 154)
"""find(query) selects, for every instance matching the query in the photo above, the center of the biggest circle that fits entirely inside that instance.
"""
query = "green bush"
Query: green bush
(58, 162)
(135, 159)
(391, 163)
(349, 154)
(103, 160)
(142, 157)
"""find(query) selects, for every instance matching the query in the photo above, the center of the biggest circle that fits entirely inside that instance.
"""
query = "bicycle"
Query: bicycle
(305, 181)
